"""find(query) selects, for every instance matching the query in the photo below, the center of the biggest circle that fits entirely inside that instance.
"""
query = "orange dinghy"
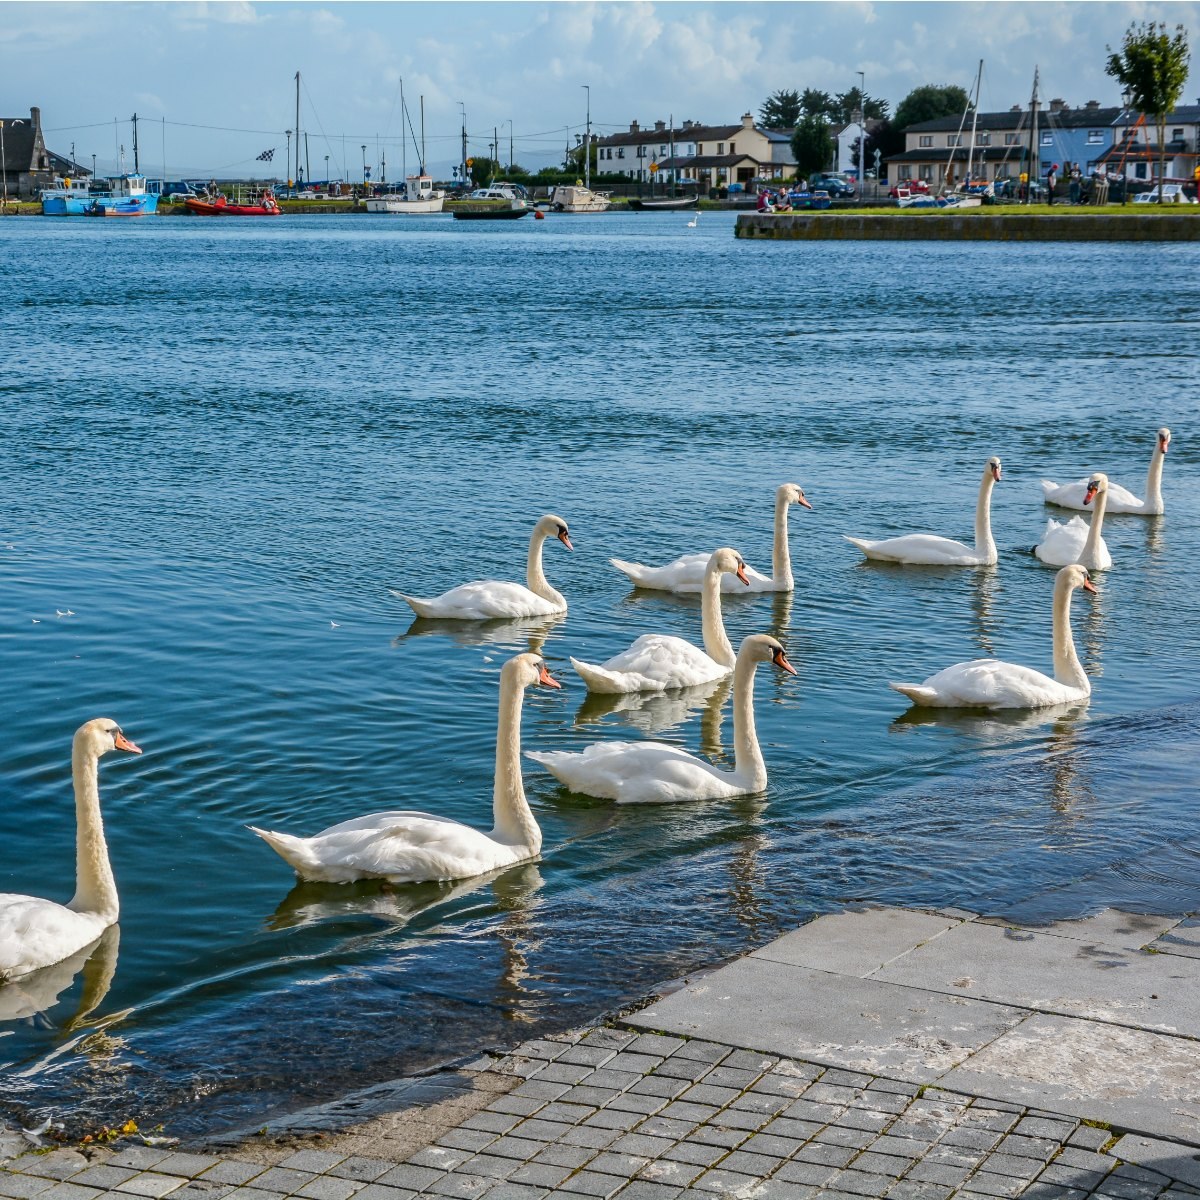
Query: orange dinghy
(220, 207)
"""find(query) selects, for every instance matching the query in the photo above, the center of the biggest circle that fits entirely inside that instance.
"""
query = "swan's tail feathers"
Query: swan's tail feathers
(553, 761)
(421, 607)
(635, 571)
(861, 543)
(607, 683)
(291, 849)
(916, 692)
(1048, 486)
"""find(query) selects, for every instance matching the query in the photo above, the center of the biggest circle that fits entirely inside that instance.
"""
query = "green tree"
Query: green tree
(1153, 66)
(483, 170)
(846, 104)
(815, 103)
(780, 110)
(929, 102)
(812, 147)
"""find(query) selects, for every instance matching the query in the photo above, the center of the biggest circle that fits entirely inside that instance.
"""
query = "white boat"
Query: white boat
(418, 198)
(498, 200)
(578, 199)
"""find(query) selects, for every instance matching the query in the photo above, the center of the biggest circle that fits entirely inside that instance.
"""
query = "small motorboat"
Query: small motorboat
(268, 206)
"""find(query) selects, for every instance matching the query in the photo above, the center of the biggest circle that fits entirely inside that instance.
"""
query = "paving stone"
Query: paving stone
(191, 1165)
(642, 1143)
(673, 1171)
(997, 1119)
(766, 1143)
(761, 1102)
(1051, 1191)
(909, 1189)
(683, 1111)
(808, 1110)
(105, 1177)
(250, 1193)
(881, 1164)
(590, 1137)
(587, 1054)
(317, 1161)
(540, 1174)
(885, 1102)
(840, 1135)
(71, 1191)
(739, 1118)
(1088, 1137)
(1010, 1164)
(1075, 1177)
(724, 1183)
(642, 1105)
(943, 1173)
(470, 1186)
(565, 1156)
(590, 1097)
(962, 1156)
(898, 1147)
(860, 1183)
(780, 1189)
(659, 1085)
(23, 1187)
(329, 1187)
(1076, 1156)
(975, 1138)
(655, 1044)
(277, 1179)
(140, 1157)
(858, 1118)
(1027, 1147)
(492, 1166)
(639, 1064)
(492, 1122)
(707, 1093)
(562, 1072)
(896, 1086)
(773, 1084)
(541, 1130)
(682, 1068)
(718, 1135)
(201, 1189)
(751, 1060)
(809, 1173)
(613, 1118)
(1128, 1189)
(61, 1164)
(614, 1081)
(515, 1191)
(521, 1106)
(660, 1126)
(380, 1191)
(831, 1094)
(826, 1155)
(731, 1077)
(644, 1189)
(441, 1158)
(590, 1183)
(746, 1163)
(988, 1183)
(1043, 1127)
(238, 1172)
(511, 1146)
(149, 1184)
(612, 1039)
(413, 1178)
(541, 1089)
(612, 1163)
(702, 1051)
(543, 1048)
(789, 1128)
(1143, 1174)
(695, 1154)
(569, 1114)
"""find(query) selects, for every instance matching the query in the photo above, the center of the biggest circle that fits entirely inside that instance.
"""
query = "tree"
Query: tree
(846, 104)
(483, 170)
(815, 103)
(780, 110)
(929, 102)
(812, 147)
(1153, 66)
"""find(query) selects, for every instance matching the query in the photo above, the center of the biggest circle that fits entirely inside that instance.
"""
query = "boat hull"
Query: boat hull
(204, 208)
(665, 205)
(401, 207)
(490, 214)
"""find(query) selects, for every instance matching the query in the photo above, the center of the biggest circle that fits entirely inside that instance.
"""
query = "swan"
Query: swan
(414, 847)
(1120, 500)
(35, 932)
(488, 599)
(657, 662)
(657, 773)
(686, 574)
(1075, 541)
(929, 550)
(990, 683)
(694, 221)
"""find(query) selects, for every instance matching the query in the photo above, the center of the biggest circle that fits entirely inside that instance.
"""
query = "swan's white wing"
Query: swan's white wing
(484, 600)
(919, 549)
(37, 933)
(990, 683)
(655, 662)
(686, 575)
(1062, 542)
(1070, 495)
(638, 773)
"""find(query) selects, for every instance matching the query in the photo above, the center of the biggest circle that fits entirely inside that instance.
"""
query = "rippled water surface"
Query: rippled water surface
(221, 443)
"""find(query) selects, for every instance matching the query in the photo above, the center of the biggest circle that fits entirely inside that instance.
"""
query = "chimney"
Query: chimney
(1016, 108)
(633, 127)
(687, 125)
(1057, 105)
(659, 126)
(747, 121)
(1092, 105)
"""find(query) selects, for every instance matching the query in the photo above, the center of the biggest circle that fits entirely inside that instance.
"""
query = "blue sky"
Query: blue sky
(221, 74)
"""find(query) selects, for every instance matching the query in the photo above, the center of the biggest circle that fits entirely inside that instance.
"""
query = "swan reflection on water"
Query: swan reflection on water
(29, 998)
(520, 632)
(1001, 724)
(656, 712)
(984, 595)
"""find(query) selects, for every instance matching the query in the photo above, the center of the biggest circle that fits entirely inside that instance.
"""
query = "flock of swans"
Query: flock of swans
(406, 846)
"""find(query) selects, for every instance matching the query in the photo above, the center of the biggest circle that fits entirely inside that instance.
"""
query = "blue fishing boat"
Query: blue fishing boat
(126, 197)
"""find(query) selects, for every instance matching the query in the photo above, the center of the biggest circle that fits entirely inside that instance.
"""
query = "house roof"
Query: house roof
(695, 133)
(1067, 118)
(959, 154)
(18, 143)
(704, 161)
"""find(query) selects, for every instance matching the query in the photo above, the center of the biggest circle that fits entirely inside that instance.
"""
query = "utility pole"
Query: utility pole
(289, 156)
(587, 141)
(510, 145)
(307, 168)
(297, 125)
(862, 136)
(495, 145)
(1035, 153)
(464, 141)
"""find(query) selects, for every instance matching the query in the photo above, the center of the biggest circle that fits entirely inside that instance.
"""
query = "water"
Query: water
(220, 438)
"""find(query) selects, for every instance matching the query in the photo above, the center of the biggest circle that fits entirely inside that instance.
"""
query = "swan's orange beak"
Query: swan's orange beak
(546, 679)
(566, 541)
(1089, 586)
(123, 743)
(741, 573)
(780, 660)
(805, 503)
(996, 471)
(1092, 489)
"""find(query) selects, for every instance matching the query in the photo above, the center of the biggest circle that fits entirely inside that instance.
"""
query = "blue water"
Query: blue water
(221, 438)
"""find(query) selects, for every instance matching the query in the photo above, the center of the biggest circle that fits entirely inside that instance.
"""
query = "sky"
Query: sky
(213, 83)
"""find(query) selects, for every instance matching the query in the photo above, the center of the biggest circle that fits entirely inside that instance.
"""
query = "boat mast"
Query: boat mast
(587, 142)
(297, 122)
(671, 122)
(974, 122)
(422, 135)
(136, 169)
(403, 134)
(1034, 151)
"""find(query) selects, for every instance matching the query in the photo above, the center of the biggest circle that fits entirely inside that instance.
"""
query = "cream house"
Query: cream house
(711, 155)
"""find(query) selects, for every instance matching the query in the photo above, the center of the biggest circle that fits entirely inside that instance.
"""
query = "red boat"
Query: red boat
(220, 207)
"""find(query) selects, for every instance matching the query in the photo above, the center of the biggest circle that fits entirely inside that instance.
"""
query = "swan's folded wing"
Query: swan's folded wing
(35, 933)
(486, 599)
(685, 572)
(666, 662)
(635, 772)
(991, 683)
(415, 846)
(920, 549)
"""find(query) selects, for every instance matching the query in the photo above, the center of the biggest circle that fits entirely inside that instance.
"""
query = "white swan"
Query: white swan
(686, 574)
(990, 683)
(929, 550)
(657, 662)
(657, 773)
(694, 221)
(488, 599)
(411, 847)
(1120, 500)
(1075, 541)
(35, 932)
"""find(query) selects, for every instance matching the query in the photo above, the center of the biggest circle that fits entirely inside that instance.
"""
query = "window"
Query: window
(1177, 135)
(1047, 138)
(720, 147)
(954, 139)
(905, 173)
(641, 152)
(983, 139)
(927, 173)
(1093, 166)
(699, 148)
(621, 152)
(1139, 170)
(925, 139)
(1095, 137)
(1011, 139)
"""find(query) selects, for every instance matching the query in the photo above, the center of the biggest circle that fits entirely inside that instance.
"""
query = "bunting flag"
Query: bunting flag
(266, 155)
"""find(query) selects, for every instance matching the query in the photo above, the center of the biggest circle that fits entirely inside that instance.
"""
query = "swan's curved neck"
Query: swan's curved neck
(985, 546)
(716, 643)
(747, 757)
(1093, 538)
(1067, 668)
(535, 577)
(95, 888)
(1154, 499)
(781, 559)
(514, 822)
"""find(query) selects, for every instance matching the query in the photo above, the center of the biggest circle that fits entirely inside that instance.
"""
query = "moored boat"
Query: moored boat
(662, 203)
(578, 199)
(221, 207)
(419, 198)
(127, 197)
(500, 201)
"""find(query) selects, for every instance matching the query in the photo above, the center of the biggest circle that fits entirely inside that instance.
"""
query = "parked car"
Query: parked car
(838, 186)
(913, 186)
(1172, 193)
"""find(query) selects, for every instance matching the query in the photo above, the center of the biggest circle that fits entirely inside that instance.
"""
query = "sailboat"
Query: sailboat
(419, 197)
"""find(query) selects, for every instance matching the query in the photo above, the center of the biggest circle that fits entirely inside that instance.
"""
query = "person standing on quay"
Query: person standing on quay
(1076, 183)
(1051, 180)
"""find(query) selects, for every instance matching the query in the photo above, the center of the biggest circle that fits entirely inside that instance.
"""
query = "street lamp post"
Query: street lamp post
(327, 172)
(510, 145)
(364, 154)
(862, 136)
(93, 168)
(587, 141)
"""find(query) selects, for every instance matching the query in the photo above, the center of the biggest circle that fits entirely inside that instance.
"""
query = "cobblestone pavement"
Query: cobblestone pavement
(612, 1112)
